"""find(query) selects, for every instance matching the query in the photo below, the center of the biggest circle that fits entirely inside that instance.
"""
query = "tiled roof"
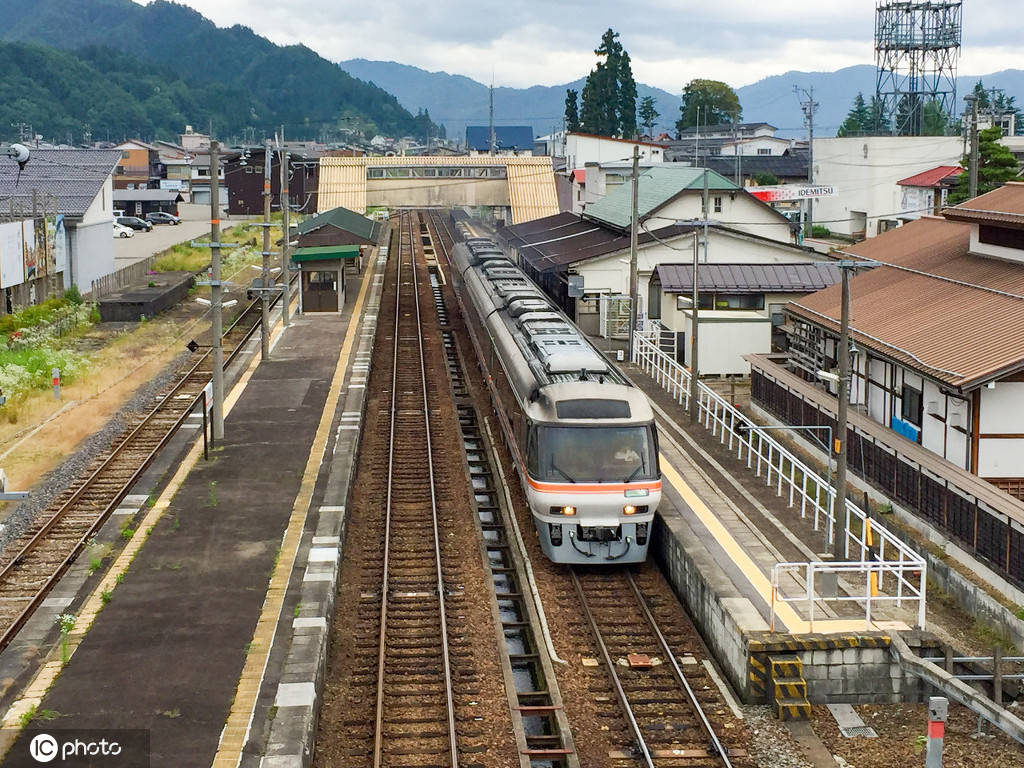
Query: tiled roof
(73, 176)
(748, 278)
(147, 195)
(932, 306)
(553, 243)
(657, 186)
(789, 165)
(505, 137)
(343, 218)
(1004, 205)
(933, 177)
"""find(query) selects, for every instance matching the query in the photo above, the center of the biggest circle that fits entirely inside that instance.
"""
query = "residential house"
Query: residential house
(696, 144)
(63, 201)
(140, 166)
(191, 141)
(508, 140)
(938, 330)
(740, 306)
(199, 178)
(865, 170)
(177, 164)
(593, 247)
(244, 174)
(139, 202)
(926, 192)
(584, 148)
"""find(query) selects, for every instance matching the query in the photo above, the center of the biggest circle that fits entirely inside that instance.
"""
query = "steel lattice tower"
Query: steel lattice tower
(916, 49)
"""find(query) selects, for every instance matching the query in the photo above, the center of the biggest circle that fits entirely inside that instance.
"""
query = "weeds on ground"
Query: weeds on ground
(67, 623)
(298, 608)
(94, 565)
(31, 714)
(105, 596)
(211, 494)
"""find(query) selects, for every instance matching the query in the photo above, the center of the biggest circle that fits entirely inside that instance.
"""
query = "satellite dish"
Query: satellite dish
(20, 153)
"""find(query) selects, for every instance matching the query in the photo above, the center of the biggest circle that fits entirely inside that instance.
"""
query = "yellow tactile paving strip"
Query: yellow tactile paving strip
(50, 671)
(236, 729)
(784, 613)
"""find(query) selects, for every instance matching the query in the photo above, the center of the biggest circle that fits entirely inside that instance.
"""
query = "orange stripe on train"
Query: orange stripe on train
(592, 488)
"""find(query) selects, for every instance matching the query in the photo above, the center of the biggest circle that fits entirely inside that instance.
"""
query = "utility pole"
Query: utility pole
(809, 107)
(694, 367)
(268, 157)
(217, 323)
(632, 250)
(286, 239)
(972, 179)
(696, 141)
(490, 134)
(839, 439)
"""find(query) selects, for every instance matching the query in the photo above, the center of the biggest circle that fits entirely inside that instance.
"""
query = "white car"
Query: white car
(122, 231)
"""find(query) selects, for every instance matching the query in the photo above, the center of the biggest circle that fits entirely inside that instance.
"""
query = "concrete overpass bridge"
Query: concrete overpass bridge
(516, 188)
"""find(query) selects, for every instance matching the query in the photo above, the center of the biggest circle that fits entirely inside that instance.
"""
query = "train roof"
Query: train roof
(591, 402)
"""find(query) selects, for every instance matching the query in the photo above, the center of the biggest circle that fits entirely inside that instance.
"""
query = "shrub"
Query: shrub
(819, 231)
(73, 295)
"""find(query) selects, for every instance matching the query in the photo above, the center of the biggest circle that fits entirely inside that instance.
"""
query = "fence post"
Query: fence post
(938, 710)
(997, 675)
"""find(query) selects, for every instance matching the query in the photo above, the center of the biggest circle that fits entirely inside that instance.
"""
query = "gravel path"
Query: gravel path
(771, 743)
(89, 451)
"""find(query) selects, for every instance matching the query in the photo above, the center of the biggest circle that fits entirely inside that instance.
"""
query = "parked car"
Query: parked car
(122, 231)
(162, 217)
(118, 213)
(135, 223)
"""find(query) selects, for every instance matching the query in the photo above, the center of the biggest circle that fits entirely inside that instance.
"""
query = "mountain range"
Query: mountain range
(457, 101)
(171, 61)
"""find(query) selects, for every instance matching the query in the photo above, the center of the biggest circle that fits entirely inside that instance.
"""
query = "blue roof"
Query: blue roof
(505, 137)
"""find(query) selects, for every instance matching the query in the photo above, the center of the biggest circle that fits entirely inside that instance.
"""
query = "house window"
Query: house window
(709, 300)
(911, 408)
(1007, 238)
(764, 150)
(718, 205)
(125, 154)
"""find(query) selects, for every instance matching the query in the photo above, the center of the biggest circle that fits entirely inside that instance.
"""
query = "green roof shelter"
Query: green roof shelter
(323, 275)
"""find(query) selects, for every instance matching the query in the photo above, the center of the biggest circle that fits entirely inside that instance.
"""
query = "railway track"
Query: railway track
(415, 707)
(34, 563)
(666, 719)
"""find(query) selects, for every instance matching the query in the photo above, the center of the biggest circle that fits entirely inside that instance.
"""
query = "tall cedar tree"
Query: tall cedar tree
(717, 102)
(572, 112)
(648, 114)
(627, 98)
(996, 165)
(609, 94)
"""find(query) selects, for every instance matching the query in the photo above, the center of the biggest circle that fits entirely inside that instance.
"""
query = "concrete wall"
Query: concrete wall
(856, 676)
(1001, 413)
(865, 169)
(737, 210)
(581, 149)
(91, 251)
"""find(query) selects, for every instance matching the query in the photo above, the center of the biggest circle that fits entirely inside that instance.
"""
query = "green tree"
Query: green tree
(648, 114)
(716, 101)
(996, 165)
(765, 179)
(934, 121)
(626, 98)
(572, 111)
(859, 120)
(609, 94)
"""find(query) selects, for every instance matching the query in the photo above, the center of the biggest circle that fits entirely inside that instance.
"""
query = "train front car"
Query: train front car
(592, 472)
(584, 439)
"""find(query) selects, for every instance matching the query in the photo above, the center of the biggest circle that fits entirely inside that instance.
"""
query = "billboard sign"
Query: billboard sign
(173, 185)
(785, 192)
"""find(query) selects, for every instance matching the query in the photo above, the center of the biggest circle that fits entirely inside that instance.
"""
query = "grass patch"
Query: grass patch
(211, 494)
(127, 532)
(171, 713)
(32, 714)
(94, 565)
(105, 596)
(119, 578)
(298, 608)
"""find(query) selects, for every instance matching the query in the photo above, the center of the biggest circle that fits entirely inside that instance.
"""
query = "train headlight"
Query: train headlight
(562, 510)
(629, 509)
(632, 493)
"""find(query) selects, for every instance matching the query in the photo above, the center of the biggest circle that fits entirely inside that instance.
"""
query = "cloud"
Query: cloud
(670, 41)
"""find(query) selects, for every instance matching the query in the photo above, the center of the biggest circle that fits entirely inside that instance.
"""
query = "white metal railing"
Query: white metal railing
(885, 554)
(908, 575)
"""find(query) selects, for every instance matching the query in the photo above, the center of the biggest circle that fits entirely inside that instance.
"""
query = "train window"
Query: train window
(595, 454)
(592, 408)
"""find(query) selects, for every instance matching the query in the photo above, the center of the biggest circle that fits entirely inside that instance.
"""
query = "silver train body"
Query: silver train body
(584, 439)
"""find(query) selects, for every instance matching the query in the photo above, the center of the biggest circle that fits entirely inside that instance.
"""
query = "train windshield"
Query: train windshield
(594, 454)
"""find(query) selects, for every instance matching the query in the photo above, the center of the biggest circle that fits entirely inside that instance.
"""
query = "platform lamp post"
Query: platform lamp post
(217, 324)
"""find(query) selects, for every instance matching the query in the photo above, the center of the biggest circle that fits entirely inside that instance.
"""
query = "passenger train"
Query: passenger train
(583, 438)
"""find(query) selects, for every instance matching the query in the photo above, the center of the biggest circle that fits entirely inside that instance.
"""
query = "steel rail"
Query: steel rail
(610, 665)
(716, 744)
(382, 649)
(37, 539)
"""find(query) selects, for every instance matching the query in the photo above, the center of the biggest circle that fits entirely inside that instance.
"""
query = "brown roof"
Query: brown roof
(932, 306)
(1004, 205)
(555, 242)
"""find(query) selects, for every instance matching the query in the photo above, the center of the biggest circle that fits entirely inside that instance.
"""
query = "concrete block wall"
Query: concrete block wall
(852, 676)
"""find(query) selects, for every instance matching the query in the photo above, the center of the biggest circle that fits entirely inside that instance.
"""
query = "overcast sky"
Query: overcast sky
(548, 42)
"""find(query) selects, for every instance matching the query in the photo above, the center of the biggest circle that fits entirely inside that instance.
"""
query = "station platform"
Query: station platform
(721, 532)
(191, 632)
